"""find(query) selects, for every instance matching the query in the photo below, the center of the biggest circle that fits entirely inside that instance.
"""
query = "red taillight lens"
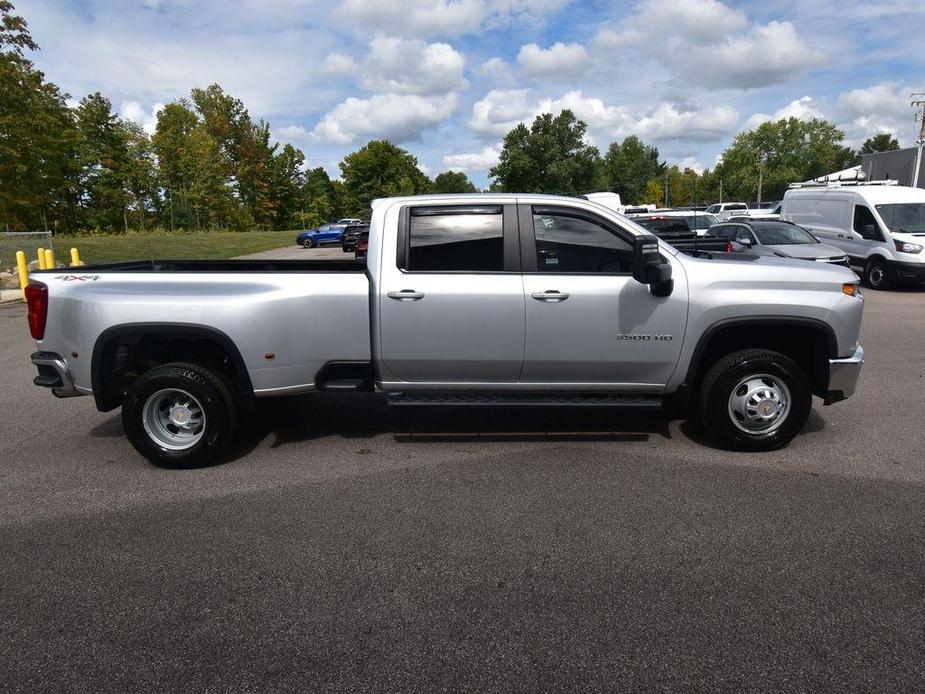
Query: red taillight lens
(37, 301)
(729, 248)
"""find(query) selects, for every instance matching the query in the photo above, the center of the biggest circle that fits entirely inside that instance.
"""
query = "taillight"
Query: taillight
(37, 302)
(729, 247)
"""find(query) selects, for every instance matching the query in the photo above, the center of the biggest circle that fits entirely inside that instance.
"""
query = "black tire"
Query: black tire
(768, 370)
(310, 243)
(877, 274)
(213, 392)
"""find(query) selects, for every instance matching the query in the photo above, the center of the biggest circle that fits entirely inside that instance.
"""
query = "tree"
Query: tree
(36, 136)
(882, 142)
(452, 182)
(14, 32)
(379, 170)
(785, 151)
(286, 182)
(628, 167)
(549, 157)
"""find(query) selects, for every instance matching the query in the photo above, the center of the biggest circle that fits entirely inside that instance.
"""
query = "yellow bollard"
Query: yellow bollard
(41, 259)
(49, 259)
(75, 257)
(23, 272)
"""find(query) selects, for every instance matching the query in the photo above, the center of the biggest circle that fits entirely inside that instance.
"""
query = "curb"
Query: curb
(8, 295)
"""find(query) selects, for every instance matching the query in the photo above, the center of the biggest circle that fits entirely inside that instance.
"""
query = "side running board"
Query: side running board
(638, 401)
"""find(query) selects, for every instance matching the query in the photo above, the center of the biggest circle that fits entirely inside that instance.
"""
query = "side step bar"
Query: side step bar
(636, 401)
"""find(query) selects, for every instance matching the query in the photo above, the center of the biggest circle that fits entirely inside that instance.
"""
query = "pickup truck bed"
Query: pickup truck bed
(228, 266)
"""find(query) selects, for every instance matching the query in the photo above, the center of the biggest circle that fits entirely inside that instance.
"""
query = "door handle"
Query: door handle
(406, 295)
(550, 295)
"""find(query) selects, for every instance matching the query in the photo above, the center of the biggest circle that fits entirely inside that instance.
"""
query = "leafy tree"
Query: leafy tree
(549, 157)
(655, 193)
(14, 32)
(882, 142)
(629, 166)
(452, 182)
(286, 182)
(176, 167)
(36, 136)
(379, 170)
(787, 150)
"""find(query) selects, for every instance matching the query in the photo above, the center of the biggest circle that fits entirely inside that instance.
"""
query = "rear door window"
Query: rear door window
(456, 239)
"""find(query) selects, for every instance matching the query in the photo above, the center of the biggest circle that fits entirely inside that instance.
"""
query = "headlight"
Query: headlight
(905, 247)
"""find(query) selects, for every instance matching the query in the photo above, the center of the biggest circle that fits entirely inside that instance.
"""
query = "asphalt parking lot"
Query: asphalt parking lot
(355, 547)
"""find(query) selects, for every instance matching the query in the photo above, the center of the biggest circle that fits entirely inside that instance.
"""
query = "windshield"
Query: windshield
(782, 234)
(906, 217)
(701, 221)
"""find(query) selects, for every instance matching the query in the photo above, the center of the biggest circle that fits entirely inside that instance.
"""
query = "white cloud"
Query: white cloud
(803, 108)
(699, 21)
(501, 110)
(880, 108)
(707, 43)
(472, 161)
(338, 64)
(444, 17)
(765, 55)
(692, 164)
(559, 62)
(292, 133)
(135, 112)
(497, 71)
(400, 66)
(672, 122)
(395, 117)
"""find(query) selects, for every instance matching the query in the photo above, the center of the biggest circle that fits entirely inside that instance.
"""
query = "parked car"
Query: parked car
(774, 237)
(724, 210)
(326, 234)
(676, 230)
(348, 221)
(348, 241)
(362, 245)
(465, 299)
(638, 209)
(881, 226)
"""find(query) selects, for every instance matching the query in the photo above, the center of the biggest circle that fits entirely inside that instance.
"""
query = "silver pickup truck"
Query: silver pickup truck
(464, 300)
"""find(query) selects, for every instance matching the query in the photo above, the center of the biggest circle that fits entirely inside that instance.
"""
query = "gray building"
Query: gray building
(898, 165)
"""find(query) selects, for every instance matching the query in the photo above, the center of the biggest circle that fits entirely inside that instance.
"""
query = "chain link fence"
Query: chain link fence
(26, 241)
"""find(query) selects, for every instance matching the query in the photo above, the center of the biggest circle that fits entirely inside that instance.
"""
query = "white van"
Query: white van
(879, 225)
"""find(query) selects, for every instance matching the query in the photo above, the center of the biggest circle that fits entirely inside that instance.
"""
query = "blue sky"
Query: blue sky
(447, 78)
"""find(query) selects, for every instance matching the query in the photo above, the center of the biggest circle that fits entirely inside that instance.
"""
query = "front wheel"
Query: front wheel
(876, 275)
(180, 415)
(755, 400)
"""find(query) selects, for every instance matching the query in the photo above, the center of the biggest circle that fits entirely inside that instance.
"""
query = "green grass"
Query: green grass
(202, 246)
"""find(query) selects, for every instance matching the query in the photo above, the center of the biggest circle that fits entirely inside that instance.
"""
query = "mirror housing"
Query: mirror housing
(648, 266)
(744, 242)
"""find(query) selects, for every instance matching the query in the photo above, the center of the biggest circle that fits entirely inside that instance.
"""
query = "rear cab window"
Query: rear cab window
(453, 238)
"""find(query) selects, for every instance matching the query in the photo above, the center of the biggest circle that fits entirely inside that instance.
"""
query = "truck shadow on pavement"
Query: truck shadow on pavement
(298, 419)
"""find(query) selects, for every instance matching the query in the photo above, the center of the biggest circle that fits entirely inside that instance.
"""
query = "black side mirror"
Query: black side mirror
(648, 266)
(869, 232)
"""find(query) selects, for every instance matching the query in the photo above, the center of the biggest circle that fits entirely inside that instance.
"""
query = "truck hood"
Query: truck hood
(807, 251)
(753, 272)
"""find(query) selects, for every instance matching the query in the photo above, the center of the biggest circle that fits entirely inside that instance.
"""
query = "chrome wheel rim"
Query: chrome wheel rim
(876, 275)
(759, 404)
(174, 419)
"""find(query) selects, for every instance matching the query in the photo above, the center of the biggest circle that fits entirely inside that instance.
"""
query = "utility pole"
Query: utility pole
(917, 101)
(760, 177)
(666, 188)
